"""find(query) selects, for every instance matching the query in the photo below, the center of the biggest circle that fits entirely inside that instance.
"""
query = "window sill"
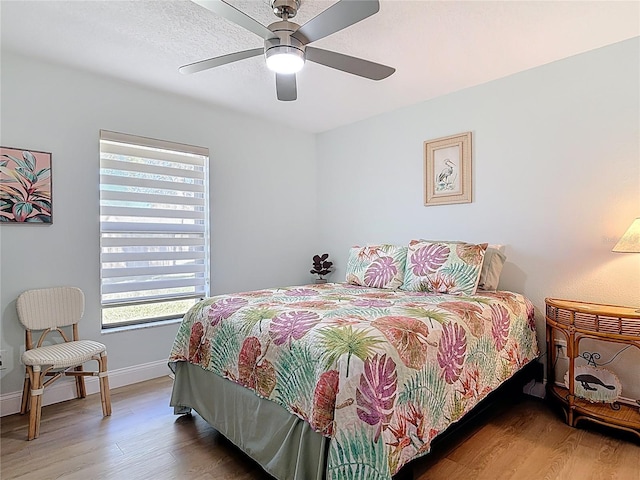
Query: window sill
(139, 326)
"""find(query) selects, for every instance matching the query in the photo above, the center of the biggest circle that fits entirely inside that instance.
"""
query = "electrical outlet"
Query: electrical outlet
(561, 345)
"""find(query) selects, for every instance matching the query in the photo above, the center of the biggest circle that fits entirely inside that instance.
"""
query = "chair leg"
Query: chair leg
(36, 390)
(105, 394)
(81, 389)
(25, 394)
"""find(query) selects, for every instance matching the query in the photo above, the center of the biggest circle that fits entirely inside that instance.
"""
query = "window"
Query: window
(154, 228)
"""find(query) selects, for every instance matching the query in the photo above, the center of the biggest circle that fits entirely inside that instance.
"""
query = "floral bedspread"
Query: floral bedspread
(382, 372)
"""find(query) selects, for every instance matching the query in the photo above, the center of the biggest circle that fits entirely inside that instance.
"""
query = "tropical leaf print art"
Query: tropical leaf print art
(427, 388)
(438, 282)
(466, 276)
(355, 457)
(301, 292)
(451, 351)
(470, 253)
(255, 316)
(380, 272)
(225, 308)
(410, 433)
(338, 341)
(25, 186)
(376, 394)
(194, 341)
(225, 347)
(199, 349)
(483, 354)
(291, 325)
(408, 336)
(469, 313)
(508, 298)
(431, 315)
(296, 373)
(371, 303)
(500, 323)
(324, 400)
(255, 372)
(429, 258)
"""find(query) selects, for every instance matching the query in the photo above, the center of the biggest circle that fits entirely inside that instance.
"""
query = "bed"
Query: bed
(346, 381)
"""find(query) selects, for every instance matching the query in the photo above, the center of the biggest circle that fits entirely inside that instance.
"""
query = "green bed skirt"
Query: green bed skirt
(283, 444)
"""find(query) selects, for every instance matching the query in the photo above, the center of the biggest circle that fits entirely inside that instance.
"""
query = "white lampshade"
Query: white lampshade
(284, 59)
(630, 241)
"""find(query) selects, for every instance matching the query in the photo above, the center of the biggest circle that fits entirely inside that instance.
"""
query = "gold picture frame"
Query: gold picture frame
(447, 170)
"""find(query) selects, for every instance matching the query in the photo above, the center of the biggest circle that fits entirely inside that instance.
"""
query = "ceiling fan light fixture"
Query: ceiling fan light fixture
(285, 42)
(285, 59)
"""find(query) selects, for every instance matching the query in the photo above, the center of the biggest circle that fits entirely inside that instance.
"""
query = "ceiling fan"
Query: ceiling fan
(286, 43)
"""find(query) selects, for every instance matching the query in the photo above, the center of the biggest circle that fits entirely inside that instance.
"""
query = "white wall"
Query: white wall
(556, 174)
(262, 211)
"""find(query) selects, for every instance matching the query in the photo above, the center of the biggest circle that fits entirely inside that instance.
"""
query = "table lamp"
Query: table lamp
(630, 241)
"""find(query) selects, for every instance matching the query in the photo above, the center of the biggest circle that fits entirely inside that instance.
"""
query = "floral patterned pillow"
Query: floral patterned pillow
(378, 266)
(443, 267)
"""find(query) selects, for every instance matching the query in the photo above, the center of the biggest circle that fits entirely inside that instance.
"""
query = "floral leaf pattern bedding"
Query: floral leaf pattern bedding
(381, 372)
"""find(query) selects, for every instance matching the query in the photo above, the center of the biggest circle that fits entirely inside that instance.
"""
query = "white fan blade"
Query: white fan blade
(286, 87)
(346, 63)
(222, 60)
(338, 16)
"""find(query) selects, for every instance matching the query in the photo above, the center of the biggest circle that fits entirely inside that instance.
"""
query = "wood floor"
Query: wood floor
(144, 440)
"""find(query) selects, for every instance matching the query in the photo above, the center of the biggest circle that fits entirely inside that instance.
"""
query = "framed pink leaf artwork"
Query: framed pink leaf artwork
(25, 186)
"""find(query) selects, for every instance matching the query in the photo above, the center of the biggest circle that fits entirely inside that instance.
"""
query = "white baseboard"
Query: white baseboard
(64, 389)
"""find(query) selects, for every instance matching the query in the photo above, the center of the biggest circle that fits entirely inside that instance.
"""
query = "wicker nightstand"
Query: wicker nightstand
(576, 321)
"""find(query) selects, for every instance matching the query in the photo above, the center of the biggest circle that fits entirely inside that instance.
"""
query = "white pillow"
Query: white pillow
(494, 259)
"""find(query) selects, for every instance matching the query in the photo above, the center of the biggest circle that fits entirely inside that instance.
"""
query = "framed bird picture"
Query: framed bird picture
(447, 170)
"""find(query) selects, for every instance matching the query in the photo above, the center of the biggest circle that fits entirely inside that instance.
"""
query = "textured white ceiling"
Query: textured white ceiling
(437, 47)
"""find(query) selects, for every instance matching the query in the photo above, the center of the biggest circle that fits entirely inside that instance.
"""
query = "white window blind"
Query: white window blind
(154, 228)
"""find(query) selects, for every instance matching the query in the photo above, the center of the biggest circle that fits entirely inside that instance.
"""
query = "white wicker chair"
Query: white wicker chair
(49, 309)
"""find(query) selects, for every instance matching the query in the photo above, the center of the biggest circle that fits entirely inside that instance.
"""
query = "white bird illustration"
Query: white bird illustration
(446, 172)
